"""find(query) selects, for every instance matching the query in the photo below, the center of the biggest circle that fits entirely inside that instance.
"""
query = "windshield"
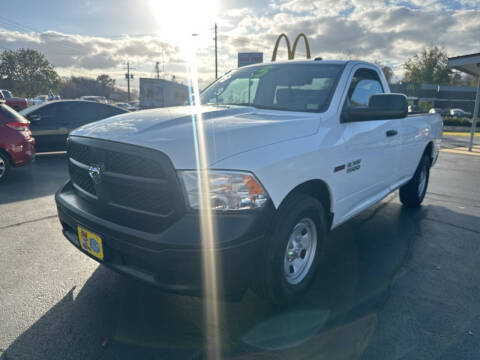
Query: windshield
(7, 94)
(291, 87)
(30, 109)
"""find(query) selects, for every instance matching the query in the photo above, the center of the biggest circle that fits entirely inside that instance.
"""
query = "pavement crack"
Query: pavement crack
(454, 225)
(28, 221)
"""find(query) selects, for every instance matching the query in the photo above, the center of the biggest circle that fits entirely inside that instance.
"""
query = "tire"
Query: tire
(286, 274)
(4, 166)
(413, 192)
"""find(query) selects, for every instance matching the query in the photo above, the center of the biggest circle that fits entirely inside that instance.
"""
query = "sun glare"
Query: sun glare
(179, 19)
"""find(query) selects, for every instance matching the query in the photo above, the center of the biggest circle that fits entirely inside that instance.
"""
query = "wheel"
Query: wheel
(413, 192)
(294, 249)
(4, 166)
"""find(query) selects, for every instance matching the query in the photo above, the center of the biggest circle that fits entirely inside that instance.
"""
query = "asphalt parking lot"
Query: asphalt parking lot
(397, 284)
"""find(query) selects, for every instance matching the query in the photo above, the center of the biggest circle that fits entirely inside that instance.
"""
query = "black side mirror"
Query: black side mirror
(380, 107)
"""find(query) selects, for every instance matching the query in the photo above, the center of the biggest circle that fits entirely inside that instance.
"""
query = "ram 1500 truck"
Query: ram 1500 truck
(294, 150)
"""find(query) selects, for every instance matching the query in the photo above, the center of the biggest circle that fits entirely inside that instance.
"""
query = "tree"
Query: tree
(28, 72)
(429, 67)
(387, 71)
(77, 86)
(106, 85)
(469, 80)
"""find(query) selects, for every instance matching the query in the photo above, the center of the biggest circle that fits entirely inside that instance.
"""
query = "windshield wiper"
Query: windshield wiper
(268, 107)
(243, 104)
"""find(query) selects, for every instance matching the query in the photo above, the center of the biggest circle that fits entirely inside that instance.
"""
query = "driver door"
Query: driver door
(49, 127)
(372, 148)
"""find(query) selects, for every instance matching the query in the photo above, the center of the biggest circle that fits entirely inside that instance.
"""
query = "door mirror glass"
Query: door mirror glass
(380, 107)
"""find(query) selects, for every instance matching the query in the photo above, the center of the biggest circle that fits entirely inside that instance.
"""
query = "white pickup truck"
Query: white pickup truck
(294, 149)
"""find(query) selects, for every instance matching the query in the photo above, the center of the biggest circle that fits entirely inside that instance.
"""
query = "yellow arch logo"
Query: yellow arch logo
(291, 51)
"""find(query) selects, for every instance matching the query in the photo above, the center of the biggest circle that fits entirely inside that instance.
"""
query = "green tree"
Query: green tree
(429, 67)
(387, 71)
(28, 72)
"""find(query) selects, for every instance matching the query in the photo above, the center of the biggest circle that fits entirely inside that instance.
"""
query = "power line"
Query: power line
(16, 26)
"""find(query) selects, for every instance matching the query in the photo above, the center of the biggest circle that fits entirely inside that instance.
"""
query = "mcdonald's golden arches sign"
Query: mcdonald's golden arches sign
(291, 51)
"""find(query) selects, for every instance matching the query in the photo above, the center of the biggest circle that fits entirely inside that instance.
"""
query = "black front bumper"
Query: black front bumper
(172, 259)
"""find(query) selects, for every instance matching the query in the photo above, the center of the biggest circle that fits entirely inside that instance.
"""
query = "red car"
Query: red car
(12, 101)
(17, 146)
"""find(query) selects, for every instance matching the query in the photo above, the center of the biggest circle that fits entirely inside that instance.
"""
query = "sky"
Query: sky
(87, 38)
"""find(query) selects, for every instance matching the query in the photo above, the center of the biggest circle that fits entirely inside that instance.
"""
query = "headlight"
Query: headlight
(228, 190)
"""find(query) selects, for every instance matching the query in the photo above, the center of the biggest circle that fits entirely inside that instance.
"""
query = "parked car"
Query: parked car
(99, 99)
(40, 99)
(52, 121)
(17, 146)
(15, 103)
(292, 149)
(435, 111)
(125, 106)
(135, 105)
(458, 113)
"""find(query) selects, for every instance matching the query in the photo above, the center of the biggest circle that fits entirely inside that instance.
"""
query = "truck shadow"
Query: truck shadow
(115, 318)
(40, 178)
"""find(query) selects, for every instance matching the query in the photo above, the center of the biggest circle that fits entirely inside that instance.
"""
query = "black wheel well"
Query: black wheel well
(319, 190)
(7, 155)
(429, 151)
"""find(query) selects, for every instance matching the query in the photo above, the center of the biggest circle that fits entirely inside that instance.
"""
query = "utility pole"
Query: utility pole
(128, 76)
(157, 69)
(216, 52)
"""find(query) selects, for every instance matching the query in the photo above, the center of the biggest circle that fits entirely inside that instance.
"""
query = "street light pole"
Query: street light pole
(475, 116)
(216, 52)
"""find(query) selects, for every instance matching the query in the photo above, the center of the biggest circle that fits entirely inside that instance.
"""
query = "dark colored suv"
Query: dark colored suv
(16, 141)
(52, 122)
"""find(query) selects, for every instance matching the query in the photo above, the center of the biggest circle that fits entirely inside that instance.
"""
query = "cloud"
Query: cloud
(386, 30)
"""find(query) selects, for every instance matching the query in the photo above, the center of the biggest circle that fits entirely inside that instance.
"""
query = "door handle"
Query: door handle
(391, 132)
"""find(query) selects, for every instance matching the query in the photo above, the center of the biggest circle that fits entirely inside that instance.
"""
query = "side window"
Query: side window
(51, 115)
(365, 83)
(95, 111)
(108, 111)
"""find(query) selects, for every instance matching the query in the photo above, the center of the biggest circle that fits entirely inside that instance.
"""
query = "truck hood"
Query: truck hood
(228, 131)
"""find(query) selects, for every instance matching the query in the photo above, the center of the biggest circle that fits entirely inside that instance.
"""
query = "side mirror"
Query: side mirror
(34, 117)
(380, 107)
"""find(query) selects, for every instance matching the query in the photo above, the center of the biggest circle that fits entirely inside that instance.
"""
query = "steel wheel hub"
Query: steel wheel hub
(300, 251)
(2, 167)
(422, 182)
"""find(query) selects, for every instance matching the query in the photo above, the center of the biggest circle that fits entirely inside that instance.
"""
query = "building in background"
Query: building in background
(161, 93)
(249, 58)
(438, 96)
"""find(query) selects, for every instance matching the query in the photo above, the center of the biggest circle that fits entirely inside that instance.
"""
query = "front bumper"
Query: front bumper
(172, 259)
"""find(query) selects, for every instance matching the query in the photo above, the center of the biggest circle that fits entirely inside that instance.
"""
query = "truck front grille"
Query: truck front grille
(133, 182)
